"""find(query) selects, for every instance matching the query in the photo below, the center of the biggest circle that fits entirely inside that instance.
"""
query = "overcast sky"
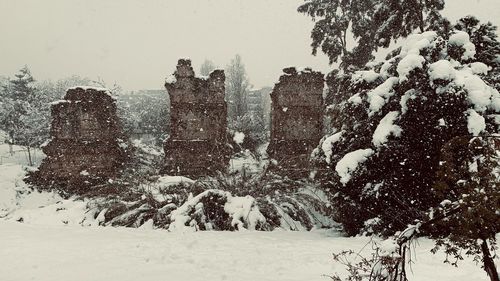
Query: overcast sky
(137, 43)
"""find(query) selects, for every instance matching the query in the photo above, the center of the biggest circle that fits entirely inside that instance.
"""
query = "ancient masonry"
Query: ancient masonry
(85, 146)
(198, 118)
(296, 120)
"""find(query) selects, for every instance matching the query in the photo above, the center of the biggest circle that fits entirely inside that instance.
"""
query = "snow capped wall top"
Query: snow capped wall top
(298, 88)
(292, 70)
(88, 94)
(100, 89)
(185, 70)
(183, 86)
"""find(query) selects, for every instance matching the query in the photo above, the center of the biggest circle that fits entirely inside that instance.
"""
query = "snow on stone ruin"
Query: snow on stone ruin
(198, 119)
(297, 118)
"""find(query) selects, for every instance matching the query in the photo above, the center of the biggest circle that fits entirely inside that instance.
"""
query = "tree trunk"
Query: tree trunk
(421, 23)
(11, 143)
(489, 264)
(29, 156)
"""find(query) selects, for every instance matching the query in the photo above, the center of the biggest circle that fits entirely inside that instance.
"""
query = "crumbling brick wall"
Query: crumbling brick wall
(86, 145)
(197, 145)
(296, 120)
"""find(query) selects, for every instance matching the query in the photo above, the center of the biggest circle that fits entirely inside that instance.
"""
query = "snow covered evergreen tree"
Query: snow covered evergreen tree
(392, 122)
(484, 37)
(21, 113)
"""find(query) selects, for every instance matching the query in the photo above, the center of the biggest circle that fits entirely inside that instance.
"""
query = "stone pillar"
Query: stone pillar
(296, 120)
(198, 119)
(86, 145)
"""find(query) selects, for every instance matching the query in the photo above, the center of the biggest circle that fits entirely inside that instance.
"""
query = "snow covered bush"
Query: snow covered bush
(385, 262)
(227, 202)
(394, 118)
(283, 203)
(247, 132)
(182, 205)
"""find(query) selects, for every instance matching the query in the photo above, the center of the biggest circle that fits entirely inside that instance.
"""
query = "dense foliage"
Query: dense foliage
(392, 122)
(371, 23)
(468, 186)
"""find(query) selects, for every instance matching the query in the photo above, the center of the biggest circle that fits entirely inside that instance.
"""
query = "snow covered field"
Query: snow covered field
(43, 248)
(37, 252)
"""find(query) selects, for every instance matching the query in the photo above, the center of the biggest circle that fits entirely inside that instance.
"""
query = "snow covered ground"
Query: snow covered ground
(246, 164)
(16, 154)
(37, 252)
(44, 248)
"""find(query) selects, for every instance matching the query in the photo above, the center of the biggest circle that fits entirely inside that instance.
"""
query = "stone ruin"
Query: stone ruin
(85, 146)
(198, 119)
(296, 120)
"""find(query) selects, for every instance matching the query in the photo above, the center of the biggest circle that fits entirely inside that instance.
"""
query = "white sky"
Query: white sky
(137, 43)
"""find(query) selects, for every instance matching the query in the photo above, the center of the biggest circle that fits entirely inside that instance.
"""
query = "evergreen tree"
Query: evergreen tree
(392, 122)
(484, 37)
(21, 113)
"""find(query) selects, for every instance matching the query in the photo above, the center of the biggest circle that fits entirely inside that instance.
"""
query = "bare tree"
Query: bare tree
(237, 86)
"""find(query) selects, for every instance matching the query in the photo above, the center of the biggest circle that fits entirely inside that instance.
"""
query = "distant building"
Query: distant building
(259, 102)
(147, 93)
